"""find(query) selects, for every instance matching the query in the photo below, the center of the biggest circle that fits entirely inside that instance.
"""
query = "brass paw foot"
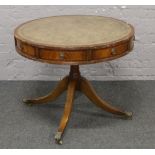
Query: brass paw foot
(128, 115)
(28, 102)
(58, 138)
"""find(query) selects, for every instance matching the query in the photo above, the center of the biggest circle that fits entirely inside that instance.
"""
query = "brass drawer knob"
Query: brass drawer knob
(61, 55)
(113, 51)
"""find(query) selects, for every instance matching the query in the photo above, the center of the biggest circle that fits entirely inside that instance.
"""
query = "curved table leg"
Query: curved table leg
(62, 86)
(67, 110)
(88, 90)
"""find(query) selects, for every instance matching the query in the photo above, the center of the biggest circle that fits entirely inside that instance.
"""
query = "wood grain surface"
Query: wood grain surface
(110, 39)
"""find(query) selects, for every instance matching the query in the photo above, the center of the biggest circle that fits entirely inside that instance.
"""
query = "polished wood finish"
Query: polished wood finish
(78, 54)
(74, 81)
(88, 90)
(61, 87)
(73, 53)
(75, 57)
(67, 109)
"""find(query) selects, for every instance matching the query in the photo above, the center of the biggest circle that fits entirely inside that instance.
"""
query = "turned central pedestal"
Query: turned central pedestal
(74, 81)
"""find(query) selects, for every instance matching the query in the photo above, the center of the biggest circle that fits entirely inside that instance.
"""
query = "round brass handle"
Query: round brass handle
(62, 55)
(113, 51)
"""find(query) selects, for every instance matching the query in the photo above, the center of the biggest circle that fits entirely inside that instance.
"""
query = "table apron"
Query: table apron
(73, 57)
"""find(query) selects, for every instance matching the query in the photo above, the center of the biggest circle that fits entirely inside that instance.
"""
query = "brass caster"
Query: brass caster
(128, 115)
(27, 102)
(58, 138)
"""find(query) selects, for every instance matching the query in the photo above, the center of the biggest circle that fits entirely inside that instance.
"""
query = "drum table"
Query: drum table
(74, 40)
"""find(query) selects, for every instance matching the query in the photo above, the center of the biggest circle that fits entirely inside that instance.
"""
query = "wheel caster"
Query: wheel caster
(58, 138)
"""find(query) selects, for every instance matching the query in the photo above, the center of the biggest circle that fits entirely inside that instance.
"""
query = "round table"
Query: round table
(74, 40)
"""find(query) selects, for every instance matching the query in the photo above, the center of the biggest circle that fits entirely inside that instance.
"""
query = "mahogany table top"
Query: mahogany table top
(54, 39)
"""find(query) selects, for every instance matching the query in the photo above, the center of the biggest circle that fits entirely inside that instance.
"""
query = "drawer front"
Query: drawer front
(73, 57)
(110, 52)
